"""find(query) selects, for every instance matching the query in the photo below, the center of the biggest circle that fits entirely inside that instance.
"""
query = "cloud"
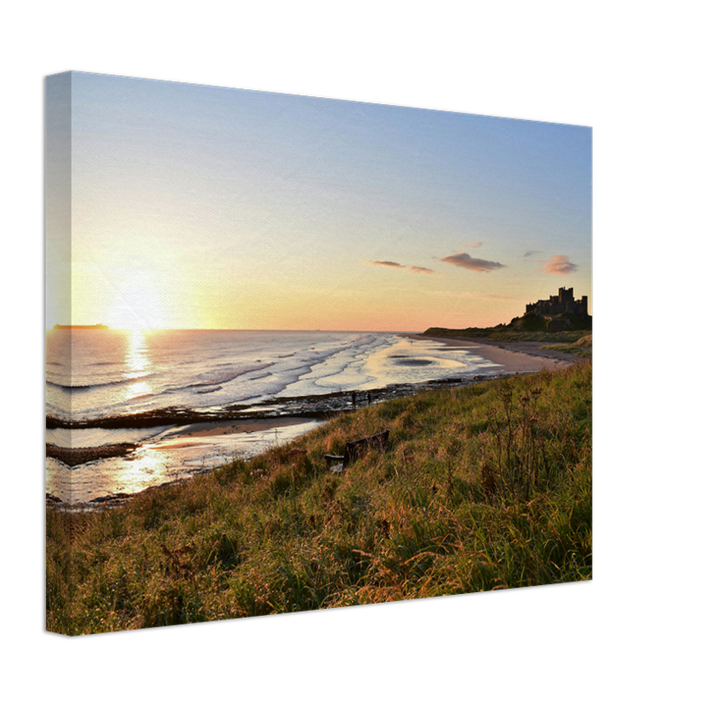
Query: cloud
(560, 265)
(477, 244)
(386, 263)
(392, 264)
(532, 252)
(420, 271)
(463, 260)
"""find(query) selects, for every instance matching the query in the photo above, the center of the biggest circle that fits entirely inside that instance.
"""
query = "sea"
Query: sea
(142, 392)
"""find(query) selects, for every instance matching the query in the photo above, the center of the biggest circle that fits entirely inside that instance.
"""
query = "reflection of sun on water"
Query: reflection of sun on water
(148, 467)
(137, 364)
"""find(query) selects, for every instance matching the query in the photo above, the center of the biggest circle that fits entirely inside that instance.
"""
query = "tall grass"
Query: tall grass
(482, 488)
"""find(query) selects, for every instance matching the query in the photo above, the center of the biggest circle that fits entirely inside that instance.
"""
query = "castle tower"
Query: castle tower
(565, 295)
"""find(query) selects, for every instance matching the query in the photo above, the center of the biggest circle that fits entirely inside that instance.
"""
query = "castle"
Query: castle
(557, 304)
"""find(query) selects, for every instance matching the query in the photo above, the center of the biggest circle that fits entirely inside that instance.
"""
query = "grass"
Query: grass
(557, 336)
(582, 347)
(510, 334)
(482, 488)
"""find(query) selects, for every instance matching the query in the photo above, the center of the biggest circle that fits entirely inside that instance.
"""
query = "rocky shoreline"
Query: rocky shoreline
(273, 412)
(313, 406)
(75, 456)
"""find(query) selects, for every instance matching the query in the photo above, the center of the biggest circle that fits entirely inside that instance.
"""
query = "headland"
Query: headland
(81, 326)
(558, 329)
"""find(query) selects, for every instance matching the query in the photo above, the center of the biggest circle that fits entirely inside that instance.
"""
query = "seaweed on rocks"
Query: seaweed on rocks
(81, 455)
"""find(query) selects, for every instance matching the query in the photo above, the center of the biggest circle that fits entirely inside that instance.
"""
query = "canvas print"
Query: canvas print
(306, 353)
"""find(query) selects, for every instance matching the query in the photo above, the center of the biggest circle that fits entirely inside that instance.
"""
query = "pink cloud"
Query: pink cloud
(386, 263)
(464, 260)
(420, 271)
(392, 264)
(560, 265)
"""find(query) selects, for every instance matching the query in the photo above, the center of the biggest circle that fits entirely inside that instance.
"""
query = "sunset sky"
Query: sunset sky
(201, 207)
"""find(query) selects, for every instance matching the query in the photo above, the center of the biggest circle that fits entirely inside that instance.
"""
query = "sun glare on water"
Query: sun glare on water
(137, 364)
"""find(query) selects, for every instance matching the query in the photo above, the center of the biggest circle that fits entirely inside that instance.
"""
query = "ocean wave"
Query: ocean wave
(219, 382)
(127, 379)
(225, 370)
(103, 384)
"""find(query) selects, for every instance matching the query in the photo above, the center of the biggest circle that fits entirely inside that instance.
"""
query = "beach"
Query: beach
(213, 429)
(150, 408)
(514, 356)
(192, 435)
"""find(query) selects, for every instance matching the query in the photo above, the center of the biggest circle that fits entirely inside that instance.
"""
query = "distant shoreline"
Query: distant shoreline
(81, 326)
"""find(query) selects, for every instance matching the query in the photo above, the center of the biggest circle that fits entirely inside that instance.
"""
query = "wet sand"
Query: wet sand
(213, 429)
(516, 357)
(181, 437)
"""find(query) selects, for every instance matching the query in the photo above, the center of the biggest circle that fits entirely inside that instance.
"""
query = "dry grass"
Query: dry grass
(482, 488)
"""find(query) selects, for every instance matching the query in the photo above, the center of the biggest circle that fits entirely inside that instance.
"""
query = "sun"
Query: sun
(139, 303)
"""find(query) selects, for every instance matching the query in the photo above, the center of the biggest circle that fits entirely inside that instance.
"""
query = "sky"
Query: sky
(182, 206)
